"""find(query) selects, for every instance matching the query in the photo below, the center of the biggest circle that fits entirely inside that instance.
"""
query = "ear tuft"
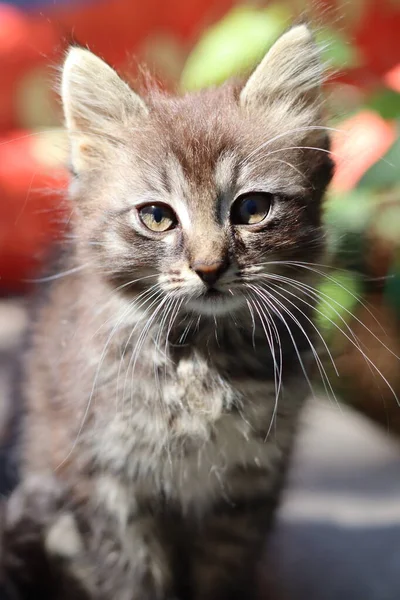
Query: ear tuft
(290, 71)
(96, 102)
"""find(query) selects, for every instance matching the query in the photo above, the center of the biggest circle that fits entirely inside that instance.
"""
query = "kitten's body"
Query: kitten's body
(168, 417)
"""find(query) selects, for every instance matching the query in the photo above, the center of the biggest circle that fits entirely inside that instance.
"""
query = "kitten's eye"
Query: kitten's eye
(251, 209)
(158, 217)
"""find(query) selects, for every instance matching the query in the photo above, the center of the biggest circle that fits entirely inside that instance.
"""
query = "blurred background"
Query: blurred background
(188, 44)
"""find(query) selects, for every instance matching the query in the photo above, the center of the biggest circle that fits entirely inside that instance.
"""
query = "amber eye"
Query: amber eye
(251, 209)
(158, 217)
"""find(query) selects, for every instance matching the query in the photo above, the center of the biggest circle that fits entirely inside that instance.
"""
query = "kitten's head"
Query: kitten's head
(200, 195)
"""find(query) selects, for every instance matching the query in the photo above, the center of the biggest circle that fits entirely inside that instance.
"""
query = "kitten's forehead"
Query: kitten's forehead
(205, 145)
(199, 131)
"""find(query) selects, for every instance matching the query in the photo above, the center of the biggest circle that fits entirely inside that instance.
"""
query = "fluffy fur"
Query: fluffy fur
(159, 414)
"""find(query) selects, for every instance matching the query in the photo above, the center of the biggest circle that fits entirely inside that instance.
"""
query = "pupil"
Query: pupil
(251, 207)
(157, 214)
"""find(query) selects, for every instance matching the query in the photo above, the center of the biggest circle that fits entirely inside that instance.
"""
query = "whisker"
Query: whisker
(277, 370)
(253, 322)
(153, 296)
(315, 295)
(357, 345)
(285, 162)
(169, 312)
(142, 336)
(285, 133)
(351, 314)
(283, 320)
(57, 275)
(308, 266)
(321, 368)
(324, 150)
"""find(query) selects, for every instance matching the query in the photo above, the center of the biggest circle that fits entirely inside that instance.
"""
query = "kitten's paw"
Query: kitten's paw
(65, 546)
(62, 538)
(136, 568)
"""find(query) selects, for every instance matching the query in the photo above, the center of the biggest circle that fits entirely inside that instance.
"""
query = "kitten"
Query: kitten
(168, 367)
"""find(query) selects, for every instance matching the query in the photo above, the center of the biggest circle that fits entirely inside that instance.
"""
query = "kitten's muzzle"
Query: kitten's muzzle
(209, 273)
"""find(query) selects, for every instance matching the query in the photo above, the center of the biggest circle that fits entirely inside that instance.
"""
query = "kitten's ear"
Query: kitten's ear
(291, 72)
(97, 104)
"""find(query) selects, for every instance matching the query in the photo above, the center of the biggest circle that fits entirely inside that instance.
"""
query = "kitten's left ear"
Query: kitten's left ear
(290, 72)
(97, 104)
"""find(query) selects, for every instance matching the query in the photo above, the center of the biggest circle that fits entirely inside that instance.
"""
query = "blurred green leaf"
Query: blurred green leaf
(337, 50)
(387, 223)
(385, 172)
(339, 295)
(386, 103)
(237, 43)
(233, 45)
(347, 216)
(349, 211)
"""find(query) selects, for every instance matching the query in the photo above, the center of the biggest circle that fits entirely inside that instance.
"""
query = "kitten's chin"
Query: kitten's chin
(215, 304)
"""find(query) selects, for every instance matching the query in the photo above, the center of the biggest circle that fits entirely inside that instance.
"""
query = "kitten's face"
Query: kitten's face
(199, 197)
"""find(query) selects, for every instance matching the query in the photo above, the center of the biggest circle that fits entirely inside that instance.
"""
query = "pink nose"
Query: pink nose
(209, 272)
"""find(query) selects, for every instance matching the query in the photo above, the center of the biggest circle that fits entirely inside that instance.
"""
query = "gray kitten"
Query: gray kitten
(169, 366)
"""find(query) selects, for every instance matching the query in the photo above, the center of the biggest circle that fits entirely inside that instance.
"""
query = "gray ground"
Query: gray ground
(339, 528)
(338, 534)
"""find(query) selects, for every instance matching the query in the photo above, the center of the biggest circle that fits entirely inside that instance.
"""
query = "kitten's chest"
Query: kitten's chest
(183, 436)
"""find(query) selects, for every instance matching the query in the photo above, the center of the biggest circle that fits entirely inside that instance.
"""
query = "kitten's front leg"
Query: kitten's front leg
(59, 552)
(35, 519)
(227, 551)
(131, 563)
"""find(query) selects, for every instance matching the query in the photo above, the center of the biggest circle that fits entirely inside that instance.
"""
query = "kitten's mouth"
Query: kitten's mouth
(214, 302)
(213, 294)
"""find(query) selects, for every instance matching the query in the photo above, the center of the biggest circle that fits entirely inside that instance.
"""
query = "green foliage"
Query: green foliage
(349, 211)
(337, 52)
(386, 103)
(347, 217)
(339, 294)
(385, 173)
(234, 45)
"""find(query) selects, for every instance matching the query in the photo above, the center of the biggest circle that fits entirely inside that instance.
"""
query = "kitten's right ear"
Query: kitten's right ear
(97, 105)
(291, 72)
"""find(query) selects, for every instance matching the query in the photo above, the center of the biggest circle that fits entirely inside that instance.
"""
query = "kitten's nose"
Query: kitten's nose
(209, 272)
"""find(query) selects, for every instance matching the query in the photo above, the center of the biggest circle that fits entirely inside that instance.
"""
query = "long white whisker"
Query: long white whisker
(57, 275)
(357, 345)
(140, 341)
(148, 297)
(285, 162)
(269, 321)
(299, 148)
(352, 315)
(321, 368)
(253, 322)
(314, 295)
(285, 133)
(282, 318)
(308, 266)
(270, 283)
